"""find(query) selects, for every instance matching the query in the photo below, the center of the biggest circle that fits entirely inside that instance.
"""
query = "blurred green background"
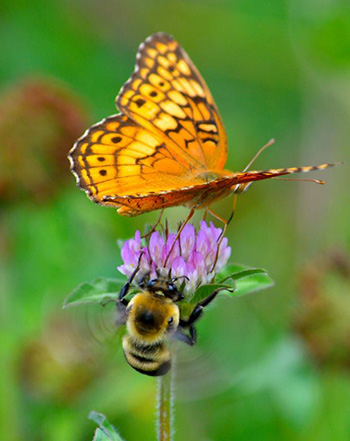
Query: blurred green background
(274, 365)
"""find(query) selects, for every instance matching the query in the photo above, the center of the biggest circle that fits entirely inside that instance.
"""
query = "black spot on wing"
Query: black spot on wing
(140, 102)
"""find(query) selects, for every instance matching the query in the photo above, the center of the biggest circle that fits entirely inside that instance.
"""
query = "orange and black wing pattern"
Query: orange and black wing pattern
(117, 160)
(168, 134)
(168, 145)
(167, 95)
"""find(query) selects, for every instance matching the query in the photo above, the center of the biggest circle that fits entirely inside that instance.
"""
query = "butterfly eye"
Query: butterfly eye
(152, 282)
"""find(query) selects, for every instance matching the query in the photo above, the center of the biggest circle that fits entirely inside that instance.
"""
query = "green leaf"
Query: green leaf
(250, 281)
(235, 281)
(100, 291)
(205, 290)
(106, 431)
(228, 270)
(100, 436)
(244, 280)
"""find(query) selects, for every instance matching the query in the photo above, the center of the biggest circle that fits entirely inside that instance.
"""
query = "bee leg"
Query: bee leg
(193, 334)
(122, 312)
(188, 339)
(191, 339)
(198, 310)
(124, 291)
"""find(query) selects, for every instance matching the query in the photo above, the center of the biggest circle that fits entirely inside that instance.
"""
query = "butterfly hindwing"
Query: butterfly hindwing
(117, 158)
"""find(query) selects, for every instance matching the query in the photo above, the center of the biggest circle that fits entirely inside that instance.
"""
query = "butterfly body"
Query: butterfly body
(167, 147)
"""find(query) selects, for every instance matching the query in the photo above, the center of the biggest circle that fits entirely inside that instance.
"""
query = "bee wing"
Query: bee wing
(199, 373)
(96, 327)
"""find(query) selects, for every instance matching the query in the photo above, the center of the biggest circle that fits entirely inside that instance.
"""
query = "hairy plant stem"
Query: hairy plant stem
(165, 403)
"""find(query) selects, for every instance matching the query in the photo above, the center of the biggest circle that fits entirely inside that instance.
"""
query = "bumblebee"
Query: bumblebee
(152, 317)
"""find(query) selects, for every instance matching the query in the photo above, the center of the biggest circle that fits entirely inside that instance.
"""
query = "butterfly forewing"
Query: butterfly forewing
(167, 95)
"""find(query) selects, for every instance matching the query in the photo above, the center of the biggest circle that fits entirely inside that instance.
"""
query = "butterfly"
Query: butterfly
(167, 146)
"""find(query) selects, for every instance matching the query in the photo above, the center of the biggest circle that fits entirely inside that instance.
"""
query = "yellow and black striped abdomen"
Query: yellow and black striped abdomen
(149, 359)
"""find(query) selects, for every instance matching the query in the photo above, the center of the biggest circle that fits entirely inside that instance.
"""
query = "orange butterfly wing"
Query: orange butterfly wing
(166, 144)
(168, 147)
(117, 159)
(167, 95)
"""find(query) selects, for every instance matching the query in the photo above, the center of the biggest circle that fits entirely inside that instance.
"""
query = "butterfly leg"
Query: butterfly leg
(224, 221)
(205, 214)
(155, 225)
(188, 218)
(230, 218)
(264, 147)
(222, 235)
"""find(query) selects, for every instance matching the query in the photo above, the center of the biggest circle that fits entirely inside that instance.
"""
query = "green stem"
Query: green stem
(165, 401)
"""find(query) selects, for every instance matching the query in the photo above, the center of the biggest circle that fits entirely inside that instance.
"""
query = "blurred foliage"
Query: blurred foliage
(323, 320)
(276, 69)
(37, 116)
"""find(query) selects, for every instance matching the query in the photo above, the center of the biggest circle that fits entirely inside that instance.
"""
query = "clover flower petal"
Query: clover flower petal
(156, 247)
(130, 254)
(187, 240)
(179, 269)
(224, 254)
(174, 253)
(193, 256)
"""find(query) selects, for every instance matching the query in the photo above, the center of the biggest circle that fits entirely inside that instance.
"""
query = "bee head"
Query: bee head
(165, 286)
(151, 318)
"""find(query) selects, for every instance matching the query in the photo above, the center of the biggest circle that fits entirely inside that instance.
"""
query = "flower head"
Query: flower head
(193, 256)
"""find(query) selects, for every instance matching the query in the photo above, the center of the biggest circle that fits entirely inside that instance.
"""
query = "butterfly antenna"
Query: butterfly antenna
(315, 181)
(258, 153)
